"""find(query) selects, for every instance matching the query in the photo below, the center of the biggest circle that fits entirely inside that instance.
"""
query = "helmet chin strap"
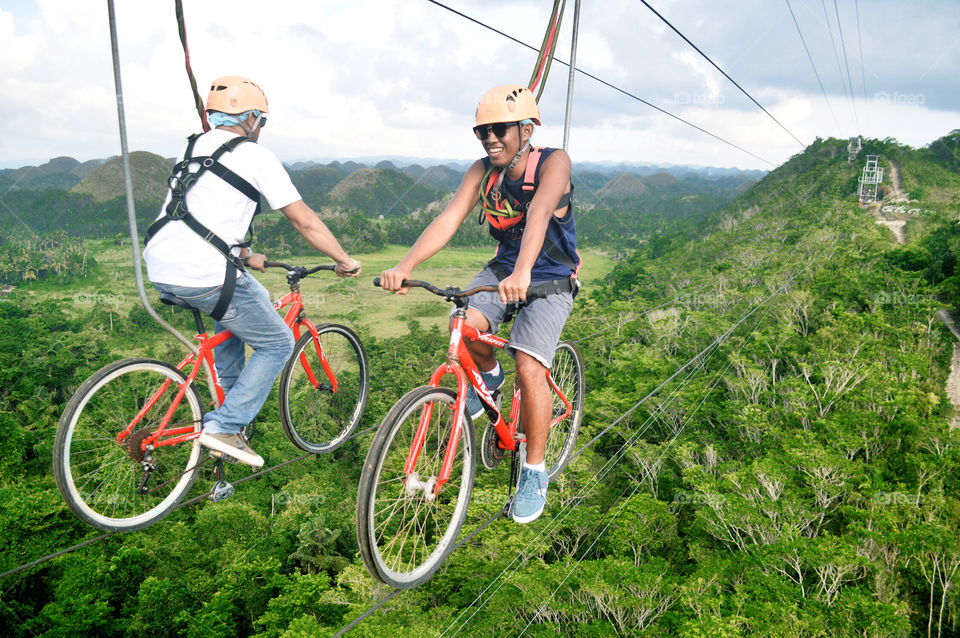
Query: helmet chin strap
(511, 165)
(252, 129)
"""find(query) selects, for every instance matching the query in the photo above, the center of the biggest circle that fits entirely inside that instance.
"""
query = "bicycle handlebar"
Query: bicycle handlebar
(301, 270)
(452, 292)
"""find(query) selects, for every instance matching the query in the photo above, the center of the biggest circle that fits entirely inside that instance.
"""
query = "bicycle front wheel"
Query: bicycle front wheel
(323, 389)
(567, 374)
(115, 484)
(405, 527)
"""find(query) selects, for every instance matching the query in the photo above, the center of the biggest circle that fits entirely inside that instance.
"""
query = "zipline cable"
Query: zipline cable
(608, 466)
(607, 84)
(713, 347)
(814, 66)
(863, 76)
(639, 482)
(633, 439)
(707, 58)
(843, 47)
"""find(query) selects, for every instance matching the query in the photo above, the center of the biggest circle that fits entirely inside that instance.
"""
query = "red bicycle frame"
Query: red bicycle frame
(461, 365)
(293, 318)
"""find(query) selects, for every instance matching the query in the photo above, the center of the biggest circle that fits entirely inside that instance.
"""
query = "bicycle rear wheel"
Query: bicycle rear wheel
(117, 486)
(319, 411)
(567, 373)
(405, 530)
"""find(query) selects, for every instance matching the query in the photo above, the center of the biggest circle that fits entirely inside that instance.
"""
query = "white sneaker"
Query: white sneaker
(231, 445)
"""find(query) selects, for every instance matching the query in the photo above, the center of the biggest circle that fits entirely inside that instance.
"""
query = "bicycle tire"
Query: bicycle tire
(98, 476)
(567, 373)
(315, 418)
(404, 537)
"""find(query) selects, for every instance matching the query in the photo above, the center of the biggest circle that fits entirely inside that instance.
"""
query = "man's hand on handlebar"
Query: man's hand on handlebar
(513, 289)
(347, 268)
(393, 279)
(256, 261)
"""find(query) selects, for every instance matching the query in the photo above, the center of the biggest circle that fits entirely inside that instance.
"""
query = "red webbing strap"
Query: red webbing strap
(547, 48)
(182, 28)
(530, 172)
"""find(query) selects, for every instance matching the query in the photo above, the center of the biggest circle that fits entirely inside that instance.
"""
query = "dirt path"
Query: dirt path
(896, 184)
(953, 381)
(896, 225)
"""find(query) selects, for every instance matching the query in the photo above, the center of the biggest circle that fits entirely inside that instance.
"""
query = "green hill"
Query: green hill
(386, 192)
(149, 172)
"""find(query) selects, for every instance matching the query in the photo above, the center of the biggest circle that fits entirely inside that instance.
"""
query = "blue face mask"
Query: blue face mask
(216, 118)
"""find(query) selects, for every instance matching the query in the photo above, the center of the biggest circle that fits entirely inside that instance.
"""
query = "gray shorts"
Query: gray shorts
(536, 328)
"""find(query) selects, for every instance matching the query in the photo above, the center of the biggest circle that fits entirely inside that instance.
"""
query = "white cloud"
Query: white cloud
(398, 77)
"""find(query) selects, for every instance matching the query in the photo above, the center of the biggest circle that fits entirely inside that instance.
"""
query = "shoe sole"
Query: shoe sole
(214, 445)
(527, 519)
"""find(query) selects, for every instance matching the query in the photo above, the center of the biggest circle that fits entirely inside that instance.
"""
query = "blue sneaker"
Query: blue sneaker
(474, 404)
(531, 495)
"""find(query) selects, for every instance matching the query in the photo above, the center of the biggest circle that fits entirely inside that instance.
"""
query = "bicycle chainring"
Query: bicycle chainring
(490, 452)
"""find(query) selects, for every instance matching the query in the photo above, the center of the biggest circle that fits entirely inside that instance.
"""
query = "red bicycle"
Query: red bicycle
(418, 474)
(126, 450)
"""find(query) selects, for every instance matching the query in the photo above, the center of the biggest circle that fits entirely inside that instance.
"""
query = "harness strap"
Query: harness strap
(551, 287)
(181, 181)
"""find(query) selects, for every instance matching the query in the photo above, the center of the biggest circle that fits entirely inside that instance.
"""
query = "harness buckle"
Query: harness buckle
(176, 209)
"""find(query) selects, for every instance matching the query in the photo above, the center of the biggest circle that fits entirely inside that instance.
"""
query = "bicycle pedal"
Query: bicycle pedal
(507, 507)
(221, 490)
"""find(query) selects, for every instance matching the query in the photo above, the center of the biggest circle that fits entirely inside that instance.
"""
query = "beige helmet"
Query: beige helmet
(508, 103)
(234, 94)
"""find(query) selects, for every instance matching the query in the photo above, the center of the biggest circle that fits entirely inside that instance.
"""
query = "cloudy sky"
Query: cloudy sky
(365, 78)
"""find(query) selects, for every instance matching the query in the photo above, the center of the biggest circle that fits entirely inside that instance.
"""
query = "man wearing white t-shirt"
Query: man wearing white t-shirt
(196, 251)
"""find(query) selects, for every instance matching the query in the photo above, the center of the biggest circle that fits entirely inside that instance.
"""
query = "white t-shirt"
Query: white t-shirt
(178, 256)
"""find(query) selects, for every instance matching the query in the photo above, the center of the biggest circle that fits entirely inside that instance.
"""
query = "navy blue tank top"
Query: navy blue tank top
(560, 240)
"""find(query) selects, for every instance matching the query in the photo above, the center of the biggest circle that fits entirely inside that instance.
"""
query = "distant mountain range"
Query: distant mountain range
(322, 183)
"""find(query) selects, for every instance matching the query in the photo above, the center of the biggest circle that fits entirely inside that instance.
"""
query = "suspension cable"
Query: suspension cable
(607, 84)
(707, 58)
(560, 517)
(814, 66)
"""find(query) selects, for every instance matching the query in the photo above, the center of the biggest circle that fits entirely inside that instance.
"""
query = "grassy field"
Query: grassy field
(355, 301)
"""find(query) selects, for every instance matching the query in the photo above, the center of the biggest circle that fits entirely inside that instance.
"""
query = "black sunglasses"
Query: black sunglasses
(499, 129)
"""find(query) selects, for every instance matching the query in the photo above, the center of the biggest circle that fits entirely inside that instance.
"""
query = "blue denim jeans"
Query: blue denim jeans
(252, 318)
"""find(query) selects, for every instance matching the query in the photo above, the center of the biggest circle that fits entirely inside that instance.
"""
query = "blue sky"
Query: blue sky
(401, 77)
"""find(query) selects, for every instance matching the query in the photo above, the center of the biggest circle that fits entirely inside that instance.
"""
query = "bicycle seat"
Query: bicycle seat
(173, 300)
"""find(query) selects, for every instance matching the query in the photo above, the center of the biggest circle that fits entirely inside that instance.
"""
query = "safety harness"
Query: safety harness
(505, 212)
(181, 181)
(496, 206)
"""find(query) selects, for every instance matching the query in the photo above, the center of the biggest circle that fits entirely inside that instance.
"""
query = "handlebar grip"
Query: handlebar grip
(537, 293)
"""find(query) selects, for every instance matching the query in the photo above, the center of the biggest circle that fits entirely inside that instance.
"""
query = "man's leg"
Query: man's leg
(254, 321)
(533, 342)
(229, 357)
(536, 406)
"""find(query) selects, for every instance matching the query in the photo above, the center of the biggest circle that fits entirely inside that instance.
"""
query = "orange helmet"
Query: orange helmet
(234, 94)
(508, 103)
